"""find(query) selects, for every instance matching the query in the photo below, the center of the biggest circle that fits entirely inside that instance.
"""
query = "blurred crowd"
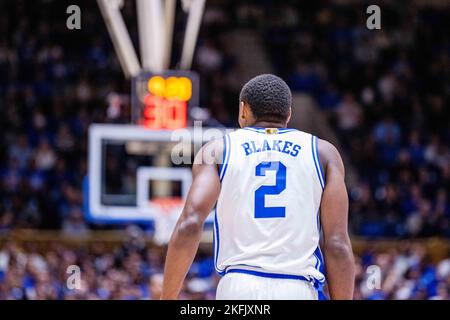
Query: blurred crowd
(54, 83)
(402, 273)
(133, 271)
(386, 92)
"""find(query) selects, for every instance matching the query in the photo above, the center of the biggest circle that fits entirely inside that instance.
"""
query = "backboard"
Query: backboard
(131, 168)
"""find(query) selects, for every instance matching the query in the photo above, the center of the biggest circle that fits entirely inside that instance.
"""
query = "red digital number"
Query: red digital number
(161, 113)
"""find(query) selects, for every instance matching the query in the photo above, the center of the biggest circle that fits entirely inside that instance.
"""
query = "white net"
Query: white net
(167, 210)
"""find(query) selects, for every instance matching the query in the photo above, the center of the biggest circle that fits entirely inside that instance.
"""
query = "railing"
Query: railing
(437, 248)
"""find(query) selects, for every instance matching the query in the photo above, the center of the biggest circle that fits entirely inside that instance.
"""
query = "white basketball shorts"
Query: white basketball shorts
(240, 286)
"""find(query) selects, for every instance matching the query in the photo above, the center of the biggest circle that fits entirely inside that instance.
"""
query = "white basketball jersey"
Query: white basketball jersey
(267, 216)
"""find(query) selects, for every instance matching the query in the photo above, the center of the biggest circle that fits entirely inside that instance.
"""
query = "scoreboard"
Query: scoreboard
(161, 101)
(132, 177)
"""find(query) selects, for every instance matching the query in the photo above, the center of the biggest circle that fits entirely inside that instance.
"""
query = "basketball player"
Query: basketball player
(276, 190)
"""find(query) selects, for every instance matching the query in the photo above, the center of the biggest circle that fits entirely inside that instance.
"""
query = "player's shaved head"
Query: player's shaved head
(268, 96)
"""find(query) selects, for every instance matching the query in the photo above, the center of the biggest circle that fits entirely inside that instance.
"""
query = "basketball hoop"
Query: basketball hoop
(166, 210)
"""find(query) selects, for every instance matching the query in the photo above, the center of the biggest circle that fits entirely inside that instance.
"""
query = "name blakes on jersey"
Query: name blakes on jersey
(275, 145)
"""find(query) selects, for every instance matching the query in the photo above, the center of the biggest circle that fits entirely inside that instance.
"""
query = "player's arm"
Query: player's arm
(186, 236)
(337, 249)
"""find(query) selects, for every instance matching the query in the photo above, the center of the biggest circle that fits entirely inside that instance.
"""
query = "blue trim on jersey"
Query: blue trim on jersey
(320, 264)
(227, 151)
(268, 275)
(252, 129)
(318, 253)
(321, 295)
(316, 283)
(319, 227)
(318, 160)
(281, 131)
(263, 130)
(216, 234)
(319, 222)
(316, 163)
(216, 244)
(224, 153)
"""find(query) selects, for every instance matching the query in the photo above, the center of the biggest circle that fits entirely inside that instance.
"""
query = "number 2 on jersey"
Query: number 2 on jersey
(261, 211)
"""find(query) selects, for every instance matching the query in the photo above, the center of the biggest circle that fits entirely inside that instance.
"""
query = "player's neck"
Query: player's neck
(269, 124)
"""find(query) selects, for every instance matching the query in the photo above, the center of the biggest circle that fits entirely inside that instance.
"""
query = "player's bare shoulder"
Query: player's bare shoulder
(329, 156)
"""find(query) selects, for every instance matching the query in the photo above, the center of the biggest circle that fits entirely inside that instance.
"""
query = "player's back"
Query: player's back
(267, 216)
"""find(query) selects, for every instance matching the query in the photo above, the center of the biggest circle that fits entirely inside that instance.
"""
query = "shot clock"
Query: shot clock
(161, 101)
